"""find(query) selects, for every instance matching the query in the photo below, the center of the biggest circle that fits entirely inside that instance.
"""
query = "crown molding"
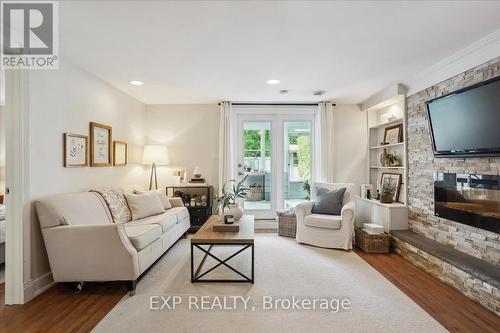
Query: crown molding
(477, 53)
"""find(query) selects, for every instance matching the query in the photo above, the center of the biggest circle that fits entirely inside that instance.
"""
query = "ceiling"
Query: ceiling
(207, 51)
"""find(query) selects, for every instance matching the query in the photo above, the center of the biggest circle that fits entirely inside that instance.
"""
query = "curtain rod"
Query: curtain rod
(278, 104)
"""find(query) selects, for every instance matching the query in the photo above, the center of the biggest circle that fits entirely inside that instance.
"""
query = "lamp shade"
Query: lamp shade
(155, 154)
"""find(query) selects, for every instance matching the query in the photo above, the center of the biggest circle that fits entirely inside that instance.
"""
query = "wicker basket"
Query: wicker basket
(287, 223)
(255, 193)
(370, 243)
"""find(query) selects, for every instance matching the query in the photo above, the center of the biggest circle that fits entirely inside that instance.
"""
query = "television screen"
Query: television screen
(467, 122)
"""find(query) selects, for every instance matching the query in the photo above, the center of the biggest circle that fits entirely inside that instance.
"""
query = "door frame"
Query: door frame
(277, 115)
(17, 182)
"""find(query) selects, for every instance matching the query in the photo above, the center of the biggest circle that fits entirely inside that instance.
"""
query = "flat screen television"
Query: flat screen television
(466, 122)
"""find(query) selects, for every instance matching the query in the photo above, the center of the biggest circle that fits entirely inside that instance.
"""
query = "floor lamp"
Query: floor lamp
(154, 154)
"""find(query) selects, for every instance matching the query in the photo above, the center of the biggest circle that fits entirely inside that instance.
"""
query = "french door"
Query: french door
(274, 156)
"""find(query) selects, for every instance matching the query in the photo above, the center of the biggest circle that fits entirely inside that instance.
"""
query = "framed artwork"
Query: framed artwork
(120, 153)
(100, 145)
(391, 183)
(393, 134)
(75, 150)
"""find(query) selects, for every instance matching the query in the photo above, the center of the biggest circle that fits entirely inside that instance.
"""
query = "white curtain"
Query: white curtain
(324, 137)
(225, 147)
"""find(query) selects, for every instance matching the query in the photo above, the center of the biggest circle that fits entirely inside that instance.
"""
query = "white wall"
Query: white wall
(66, 100)
(350, 144)
(191, 133)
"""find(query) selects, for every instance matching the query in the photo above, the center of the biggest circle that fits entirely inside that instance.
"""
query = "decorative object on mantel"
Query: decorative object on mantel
(393, 134)
(100, 145)
(75, 150)
(227, 199)
(366, 191)
(197, 172)
(390, 184)
(120, 153)
(154, 154)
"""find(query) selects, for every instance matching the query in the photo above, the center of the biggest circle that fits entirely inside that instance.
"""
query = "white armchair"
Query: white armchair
(330, 231)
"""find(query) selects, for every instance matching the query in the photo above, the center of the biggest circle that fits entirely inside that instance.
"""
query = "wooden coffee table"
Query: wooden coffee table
(206, 236)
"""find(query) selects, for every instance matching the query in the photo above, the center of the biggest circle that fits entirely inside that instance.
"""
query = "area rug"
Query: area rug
(285, 272)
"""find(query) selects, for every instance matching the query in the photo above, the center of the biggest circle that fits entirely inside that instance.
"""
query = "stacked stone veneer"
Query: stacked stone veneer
(472, 287)
(422, 165)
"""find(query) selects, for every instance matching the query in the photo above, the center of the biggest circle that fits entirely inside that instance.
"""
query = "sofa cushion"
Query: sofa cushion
(328, 201)
(162, 195)
(142, 235)
(166, 220)
(323, 221)
(181, 212)
(144, 205)
(72, 209)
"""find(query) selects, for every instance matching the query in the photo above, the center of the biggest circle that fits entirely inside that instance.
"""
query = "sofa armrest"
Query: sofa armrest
(303, 209)
(94, 252)
(176, 202)
(347, 214)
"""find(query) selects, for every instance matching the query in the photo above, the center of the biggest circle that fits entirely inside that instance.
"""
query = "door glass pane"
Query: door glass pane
(297, 162)
(257, 164)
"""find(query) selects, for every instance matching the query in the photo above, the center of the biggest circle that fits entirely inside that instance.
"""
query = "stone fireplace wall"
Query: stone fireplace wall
(422, 165)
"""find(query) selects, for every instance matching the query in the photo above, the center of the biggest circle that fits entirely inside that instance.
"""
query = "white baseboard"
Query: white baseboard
(37, 286)
(266, 224)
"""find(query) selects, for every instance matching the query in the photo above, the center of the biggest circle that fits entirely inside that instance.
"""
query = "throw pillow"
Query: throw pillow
(161, 195)
(328, 202)
(116, 203)
(144, 205)
(164, 199)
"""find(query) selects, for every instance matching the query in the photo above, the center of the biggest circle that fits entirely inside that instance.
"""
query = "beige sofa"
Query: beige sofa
(83, 243)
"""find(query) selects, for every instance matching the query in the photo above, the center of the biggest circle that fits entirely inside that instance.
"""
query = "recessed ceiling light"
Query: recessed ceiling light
(136, 83)
(273, 81)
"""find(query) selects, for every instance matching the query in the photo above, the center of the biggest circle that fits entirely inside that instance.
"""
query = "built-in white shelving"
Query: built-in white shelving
(385, 167)
(387, 123)
(387, 111)
(388, 145)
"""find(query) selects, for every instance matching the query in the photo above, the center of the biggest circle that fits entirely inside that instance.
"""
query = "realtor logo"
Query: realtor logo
(29, 34)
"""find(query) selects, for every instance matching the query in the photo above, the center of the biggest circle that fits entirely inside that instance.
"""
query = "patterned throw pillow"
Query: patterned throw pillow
(116, 203)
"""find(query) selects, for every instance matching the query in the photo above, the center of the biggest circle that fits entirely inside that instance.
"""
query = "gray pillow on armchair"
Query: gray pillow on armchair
(328, 202)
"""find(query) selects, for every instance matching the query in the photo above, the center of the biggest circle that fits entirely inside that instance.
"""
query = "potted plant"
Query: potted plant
(307, 188)
(227, 199)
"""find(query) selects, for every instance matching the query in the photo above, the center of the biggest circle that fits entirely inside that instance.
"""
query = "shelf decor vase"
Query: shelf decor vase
(384, 158)
(235, 210)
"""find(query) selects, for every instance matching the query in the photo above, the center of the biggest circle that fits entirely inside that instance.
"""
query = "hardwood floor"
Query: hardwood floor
(445, 304)
(60, 309)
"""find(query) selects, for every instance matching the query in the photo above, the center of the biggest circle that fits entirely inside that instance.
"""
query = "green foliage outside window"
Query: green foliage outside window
(251, 139)
(304, 156)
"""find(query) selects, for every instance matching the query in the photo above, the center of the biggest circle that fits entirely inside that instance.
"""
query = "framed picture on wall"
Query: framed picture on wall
(120, 153)
(393, 134)
(100, 145)
(391, 183)
(75, 150)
